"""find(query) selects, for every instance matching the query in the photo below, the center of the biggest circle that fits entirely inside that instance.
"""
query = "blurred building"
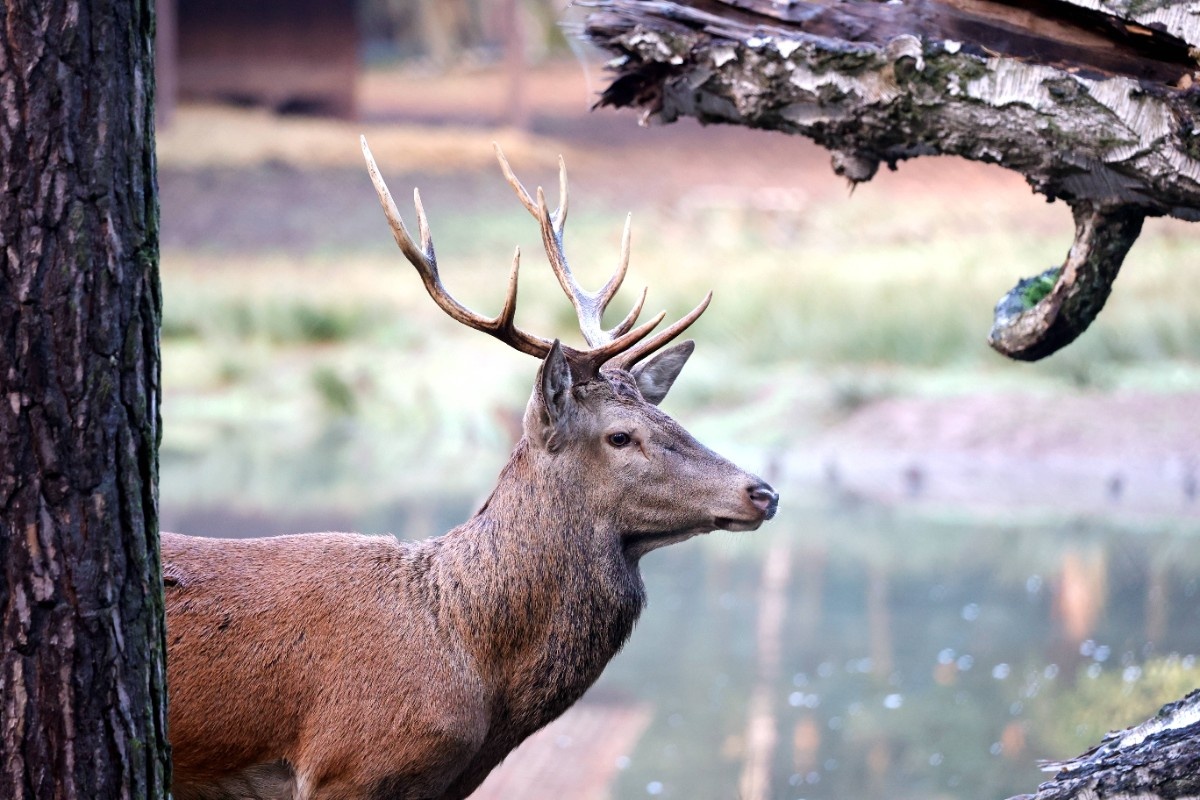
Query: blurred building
(304, 56)
(288, 55)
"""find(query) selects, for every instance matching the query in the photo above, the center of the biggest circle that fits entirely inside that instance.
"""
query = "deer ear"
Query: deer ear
(548, 417)
(655, 375)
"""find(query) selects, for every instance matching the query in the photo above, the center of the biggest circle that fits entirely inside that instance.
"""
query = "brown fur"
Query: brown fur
(335, 666)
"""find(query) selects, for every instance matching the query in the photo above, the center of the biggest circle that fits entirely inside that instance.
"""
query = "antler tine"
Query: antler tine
(589, 306)
(424, 260)
(560, 214)
(559, 217)
(504, 320)
(633, 355)
(614, 283)
(515, 182)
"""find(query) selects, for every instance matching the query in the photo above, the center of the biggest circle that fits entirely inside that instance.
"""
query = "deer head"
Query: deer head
(592, 420)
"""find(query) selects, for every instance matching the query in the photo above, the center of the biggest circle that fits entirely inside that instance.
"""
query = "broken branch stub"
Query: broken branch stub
(1027, 329)
(1093, 101)
(1156, 760)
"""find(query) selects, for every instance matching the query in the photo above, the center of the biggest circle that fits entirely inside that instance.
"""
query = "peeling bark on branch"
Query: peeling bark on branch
(1094, 102)
(1157, 760)
(1102, 238)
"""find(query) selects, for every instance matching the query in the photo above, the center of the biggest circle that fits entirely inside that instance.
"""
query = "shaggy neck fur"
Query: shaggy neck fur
(541, 590)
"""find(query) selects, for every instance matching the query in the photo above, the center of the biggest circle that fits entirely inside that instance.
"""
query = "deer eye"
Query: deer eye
(619, 439)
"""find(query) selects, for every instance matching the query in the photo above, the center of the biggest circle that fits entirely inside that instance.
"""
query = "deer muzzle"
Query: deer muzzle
(759, 504)
(764, 498)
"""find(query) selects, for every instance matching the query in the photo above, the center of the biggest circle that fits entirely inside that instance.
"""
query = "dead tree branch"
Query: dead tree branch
(1157, 760)
(1093, 101)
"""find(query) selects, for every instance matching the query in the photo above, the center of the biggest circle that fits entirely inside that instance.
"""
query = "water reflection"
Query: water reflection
(847, 649)
(902, 679)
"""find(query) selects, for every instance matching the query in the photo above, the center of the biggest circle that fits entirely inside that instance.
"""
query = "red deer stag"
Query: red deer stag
(333, 666)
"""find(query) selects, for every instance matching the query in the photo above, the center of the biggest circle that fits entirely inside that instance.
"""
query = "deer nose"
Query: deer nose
(764, 498)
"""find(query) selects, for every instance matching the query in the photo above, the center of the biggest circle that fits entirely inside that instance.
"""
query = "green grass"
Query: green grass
(336, 392)
(224, 309)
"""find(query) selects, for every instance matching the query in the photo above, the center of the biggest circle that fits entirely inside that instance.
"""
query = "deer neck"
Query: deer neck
(546, 596)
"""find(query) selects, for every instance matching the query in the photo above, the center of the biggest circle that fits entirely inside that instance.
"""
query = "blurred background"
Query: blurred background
(977, 564)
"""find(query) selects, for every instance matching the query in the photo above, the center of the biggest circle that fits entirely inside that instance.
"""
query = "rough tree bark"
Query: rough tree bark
(1157, 760)
(1095, 102)
(83, 711)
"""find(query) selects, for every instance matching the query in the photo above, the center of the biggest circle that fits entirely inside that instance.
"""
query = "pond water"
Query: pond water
(847, 649)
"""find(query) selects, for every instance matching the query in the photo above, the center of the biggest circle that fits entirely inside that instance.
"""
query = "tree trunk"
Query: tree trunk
(1095, 102)
(84, 699)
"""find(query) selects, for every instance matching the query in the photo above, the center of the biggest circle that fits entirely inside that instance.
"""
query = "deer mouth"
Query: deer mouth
(762, 505)
(731, 524)
(637, 545)
(640, 543)
(660, 538)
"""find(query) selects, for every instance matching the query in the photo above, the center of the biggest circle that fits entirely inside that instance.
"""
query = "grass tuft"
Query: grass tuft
(337, 394)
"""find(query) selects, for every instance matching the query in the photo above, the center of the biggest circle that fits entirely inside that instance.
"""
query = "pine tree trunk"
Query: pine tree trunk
(83, 711)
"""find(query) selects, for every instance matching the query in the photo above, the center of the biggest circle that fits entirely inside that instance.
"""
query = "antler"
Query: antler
(618, 346)
(423, 258)
(589, 307)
